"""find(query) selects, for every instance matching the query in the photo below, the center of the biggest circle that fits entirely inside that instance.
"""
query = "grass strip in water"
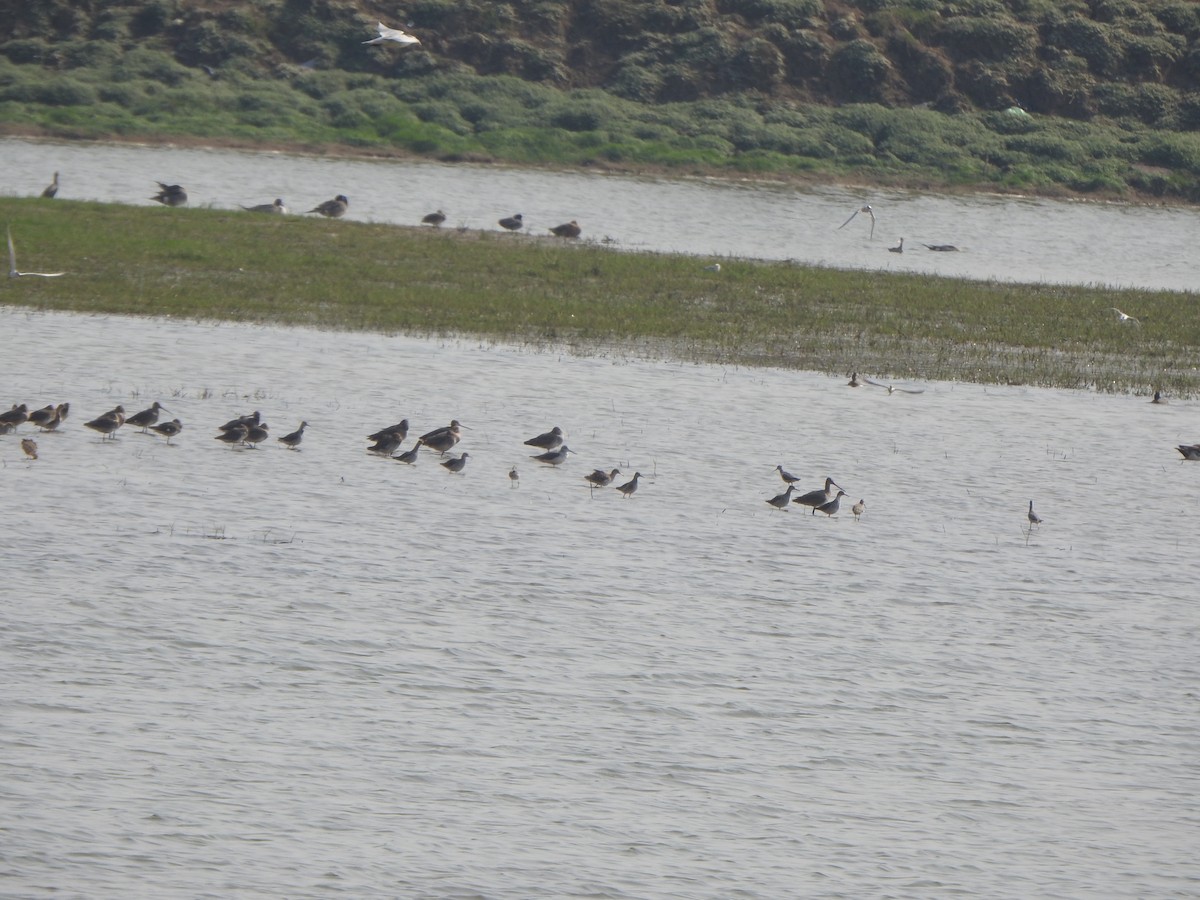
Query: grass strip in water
(297, 270)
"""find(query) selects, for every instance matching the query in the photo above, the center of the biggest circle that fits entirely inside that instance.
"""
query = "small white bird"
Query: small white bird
(392, 34)
(12, 264)
(863, 209)
(715, 267)
(891, 388)
(1124, 318)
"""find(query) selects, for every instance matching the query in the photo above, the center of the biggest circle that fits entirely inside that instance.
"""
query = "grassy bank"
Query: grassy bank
(213, 264)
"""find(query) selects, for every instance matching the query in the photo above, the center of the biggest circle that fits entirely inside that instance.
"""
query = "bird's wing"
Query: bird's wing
(910, 390)
(876, 383)
(847, 222)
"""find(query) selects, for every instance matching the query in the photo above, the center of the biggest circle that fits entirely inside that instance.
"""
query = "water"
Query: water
(265, 673)
(1001, 238)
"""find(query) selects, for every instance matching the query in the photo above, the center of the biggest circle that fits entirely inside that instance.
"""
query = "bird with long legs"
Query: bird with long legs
(781, 501)
(830, 507)
(862, 209)
(788, 477)
(167, 429)
(293, 439)
(1034, 518)
(146, 417)
(630, 487)
(547, 441)
(818, 497)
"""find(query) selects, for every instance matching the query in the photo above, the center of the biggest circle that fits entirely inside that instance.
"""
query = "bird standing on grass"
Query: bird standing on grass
(333, 209)
(171, 194)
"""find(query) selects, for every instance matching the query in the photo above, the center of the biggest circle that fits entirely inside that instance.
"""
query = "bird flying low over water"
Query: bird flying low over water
(333, 209)
(12, 264)
(170, 194)
(891, 388)
(941, 248)
(392, 35)
(862, 209)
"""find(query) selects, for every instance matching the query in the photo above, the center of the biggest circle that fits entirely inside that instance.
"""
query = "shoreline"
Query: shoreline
(309, 150)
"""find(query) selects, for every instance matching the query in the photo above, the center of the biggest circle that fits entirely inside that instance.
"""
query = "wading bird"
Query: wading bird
(514, 479)
(781, 501)
(548, 441)
(832, 506)
(818, 498)
(146, 417)
(292, 441)
(1034, 518)
(628, 488)
(456, 465)
(862, 209)
(168, 429)
(858, 508)
(600, 478)
(12, 264)
(410, 456)
(554, 457)
(788, 477)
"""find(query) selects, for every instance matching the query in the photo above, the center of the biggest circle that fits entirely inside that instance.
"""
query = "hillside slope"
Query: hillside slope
(1124, 71)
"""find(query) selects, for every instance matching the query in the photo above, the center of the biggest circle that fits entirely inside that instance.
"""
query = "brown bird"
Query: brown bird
(435, 219)
(29, 445)
(40, 417)
(569, 230)
(333, 209)
(256, 434)
(600, 478)
(400, 428)
(858, 508)
(51, 188)
(234, 435)
(108, 423)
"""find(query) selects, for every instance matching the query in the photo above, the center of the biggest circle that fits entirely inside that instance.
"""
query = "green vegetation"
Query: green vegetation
(896, 92)
(212, 264)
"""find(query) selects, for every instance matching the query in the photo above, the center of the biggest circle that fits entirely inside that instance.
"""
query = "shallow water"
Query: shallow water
(231, 672)
(1001, 238)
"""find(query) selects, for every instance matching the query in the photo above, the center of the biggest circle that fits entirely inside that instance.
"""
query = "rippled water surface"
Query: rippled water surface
(234, 672)
(1003, 238)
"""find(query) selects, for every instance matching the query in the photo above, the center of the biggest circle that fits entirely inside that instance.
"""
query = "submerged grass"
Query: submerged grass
(293, 270)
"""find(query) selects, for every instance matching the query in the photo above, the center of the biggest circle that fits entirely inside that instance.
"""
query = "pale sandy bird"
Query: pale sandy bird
(434, 218)
(146, 417)
(513, 223)
(858, 508)
(333, 209)
(781, 501)
(277, 208)
(168, 429)
(514, 478)
(456, 465)
(171, 194)
(410, 456)
(392, 35)
(1125, 318)
(862, 209)
(29, 445)
(899, 248)
(1034, 518)
(12, 264)
(292, 441)
(628, 488)
(51, 189)
(788, 477)
(569, 230)
(547, 441)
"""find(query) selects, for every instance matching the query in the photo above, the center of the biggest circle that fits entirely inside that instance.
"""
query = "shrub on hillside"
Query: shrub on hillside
(858, 72)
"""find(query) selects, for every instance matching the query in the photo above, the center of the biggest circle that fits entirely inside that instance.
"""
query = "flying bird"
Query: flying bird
(395, 35)
(891, 388)
(333, 209)
(170, 194)
(12, 264)
(1124, 318)
(862, 209)
(941, 248)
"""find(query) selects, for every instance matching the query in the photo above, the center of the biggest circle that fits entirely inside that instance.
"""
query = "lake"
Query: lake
(999, 237)
(233, 672)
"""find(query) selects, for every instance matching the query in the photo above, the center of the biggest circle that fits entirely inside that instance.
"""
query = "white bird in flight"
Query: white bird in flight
(392, 34)
(863, 209)
(12, 264)
(1124, 317)
(891, 388)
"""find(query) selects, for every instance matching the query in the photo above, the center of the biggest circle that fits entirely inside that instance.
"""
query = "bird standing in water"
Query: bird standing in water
(1034, 518)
